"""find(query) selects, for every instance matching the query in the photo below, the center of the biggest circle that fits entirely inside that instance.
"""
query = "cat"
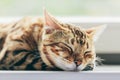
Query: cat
(34, 43)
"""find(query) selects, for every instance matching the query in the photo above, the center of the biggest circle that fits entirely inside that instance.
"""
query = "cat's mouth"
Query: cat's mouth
(74, 67)
(88, 67)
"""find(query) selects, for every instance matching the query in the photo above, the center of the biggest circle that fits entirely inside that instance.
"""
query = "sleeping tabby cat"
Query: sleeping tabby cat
(46, 44)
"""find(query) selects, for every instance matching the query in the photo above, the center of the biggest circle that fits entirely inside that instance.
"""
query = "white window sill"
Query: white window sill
(101, 73)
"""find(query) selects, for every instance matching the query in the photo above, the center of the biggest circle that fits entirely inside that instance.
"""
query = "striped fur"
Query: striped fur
(69, 47)
(28, 45)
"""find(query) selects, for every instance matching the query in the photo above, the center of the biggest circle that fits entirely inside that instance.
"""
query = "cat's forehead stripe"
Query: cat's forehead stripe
(75, 30)
(87, 45)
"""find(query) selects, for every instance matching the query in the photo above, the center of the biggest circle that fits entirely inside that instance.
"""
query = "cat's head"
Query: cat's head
(68, 47)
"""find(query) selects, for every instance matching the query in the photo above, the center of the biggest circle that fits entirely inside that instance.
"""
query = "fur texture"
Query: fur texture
(46, 44)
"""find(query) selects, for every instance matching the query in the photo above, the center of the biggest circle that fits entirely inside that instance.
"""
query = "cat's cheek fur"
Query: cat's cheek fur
(63, 64)
(57, 61)
(84, 64)
(81, 67)
(44, 57)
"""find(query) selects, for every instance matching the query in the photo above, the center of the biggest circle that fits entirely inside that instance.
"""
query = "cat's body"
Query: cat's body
(28, 45)
(19, 44)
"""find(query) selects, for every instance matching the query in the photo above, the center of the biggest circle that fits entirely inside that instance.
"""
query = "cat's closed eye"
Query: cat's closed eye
(88, 54)
(63, 50)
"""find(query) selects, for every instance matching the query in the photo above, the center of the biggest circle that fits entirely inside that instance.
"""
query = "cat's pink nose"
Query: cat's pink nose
(78, 63)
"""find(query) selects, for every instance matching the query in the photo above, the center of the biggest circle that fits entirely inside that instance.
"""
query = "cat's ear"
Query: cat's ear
(51, 21)
(95, 32)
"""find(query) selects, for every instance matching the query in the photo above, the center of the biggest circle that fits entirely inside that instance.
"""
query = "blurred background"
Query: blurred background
(60, 7)
(85, 13)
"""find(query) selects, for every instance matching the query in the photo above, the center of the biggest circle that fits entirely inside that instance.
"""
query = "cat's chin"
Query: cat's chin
(80, 67)
(69, 68)
(88, 67)
(64, 65)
